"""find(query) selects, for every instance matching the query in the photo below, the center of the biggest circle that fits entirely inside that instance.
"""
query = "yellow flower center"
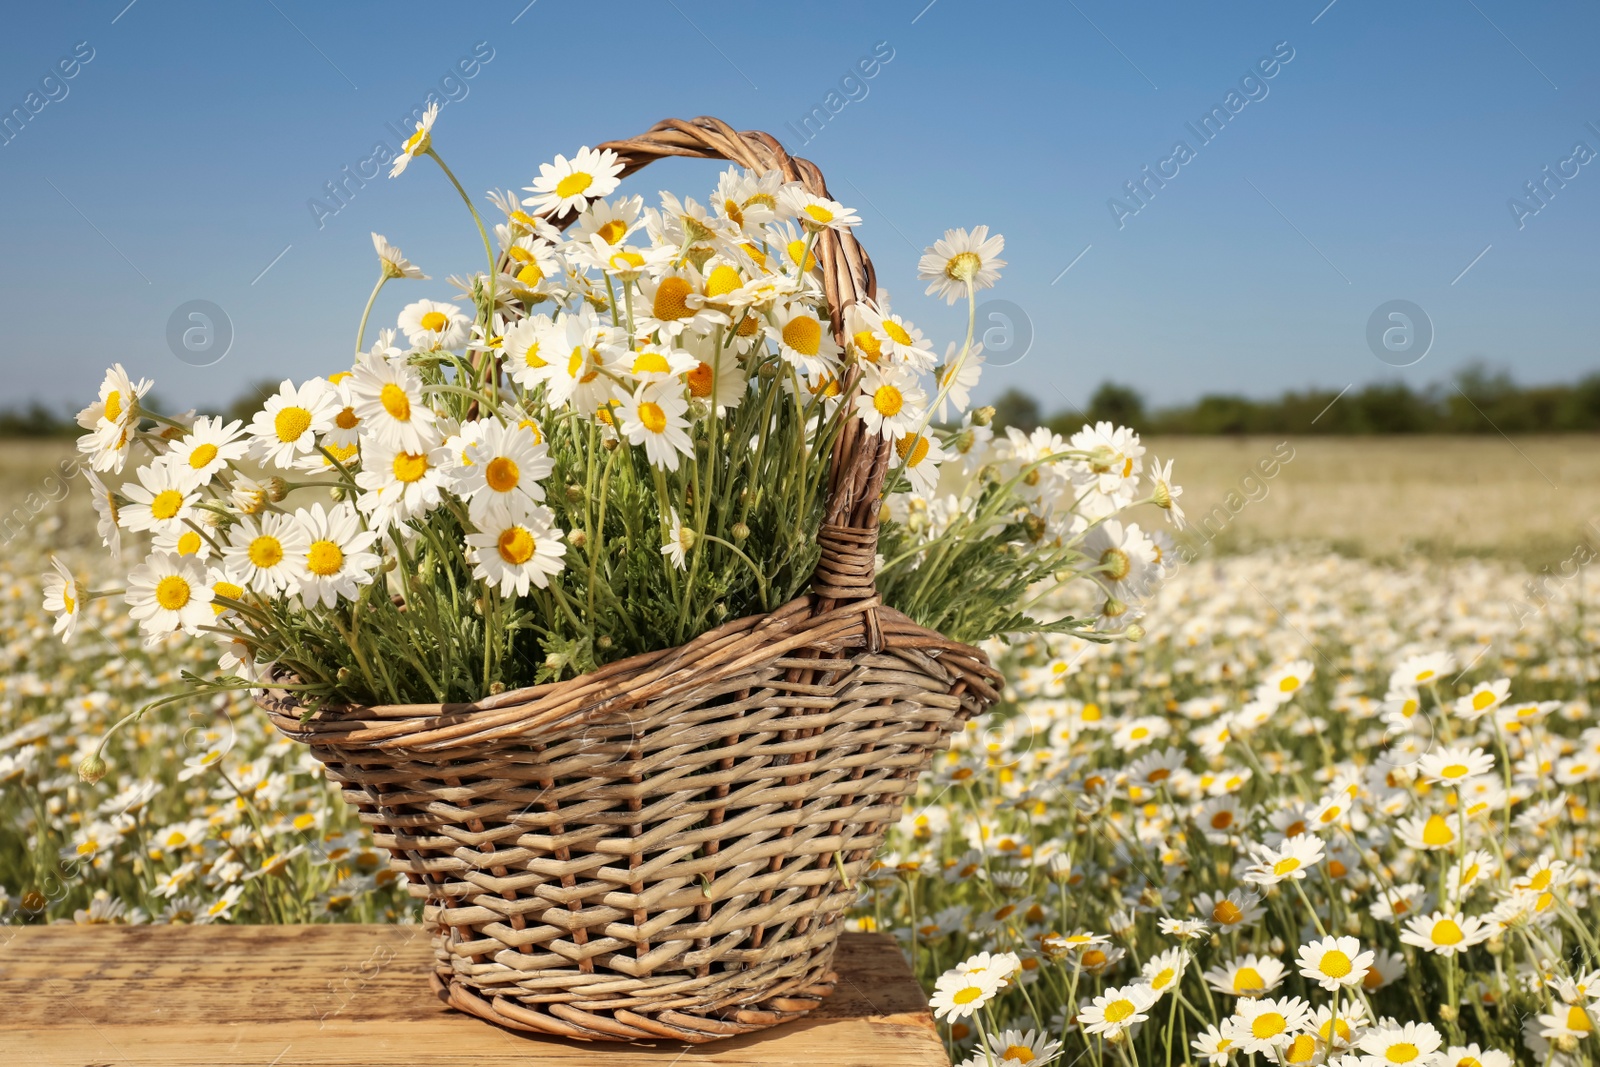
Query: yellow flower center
(797, 249)
(1447, 932)
(166, 503)
(1482, 700)
(1226, 912)
(803, 334)
(1335, 964)
(113, 405)
(530, 275)
(967, 994)
(888, 401)
(188, 543)
(202, 455)
(819, 213)
(410, 466)
(963, 266)
(897, 333)
(227, 590)
(868, 345)
(1093, 958)
(1436, 831)
(627, 261)
(395, 402)
(1118, 1010)
(611, 232)
(266, 551)
(653, 418)
(573, 184)
(291, 423)
(502, 474)
(324, 559)
(672, 299)
(172, 592)
(1455, 770)
(346, 419)
(1400, 1052)
(1268, 1024)
(1301, 1049)
(650, 363)
(700, 380)
(516, 546)
(1018, 1053)
(1248, 980)
(917, 452)
(1287, 865)
(748, 326)
(1578, 1019)
(722, 279)
(530, 358)
(1289, 684)
(1163, 979)
(435, 321)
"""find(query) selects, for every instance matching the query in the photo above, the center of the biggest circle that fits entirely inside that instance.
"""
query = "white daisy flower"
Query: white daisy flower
(920, 456)
(529, 345)
(516, 544)
(654, 363)
(400, 486)
(207, 448)
(418, 143)
(749, 201)
(112, 420)
(1483, 700)
(609, 221)
(1281, 683)
(956, 382)
(816, 213)
(106, 512)
(568, 185)
(1030, 1048)
(960, 257)
(958, 994)
(1117, 1009)
(64, 599)
(182, 541)
(1162, 492)
(157, 501)
(673, 303)
(717, 376)
(387, 398)
(433, 324)
(166, 593)
(891, 401)
(1247, 976)
(337, 559)
(1455, 764)
(393, 264)
(804, 340)
(653, 417)
(680, 539)
(1414, 1044)
(1267, 1024)
(1335, 962)
(504, 461)
(1446, 935)
(261, 552)
(286, 428)
(1292, 859)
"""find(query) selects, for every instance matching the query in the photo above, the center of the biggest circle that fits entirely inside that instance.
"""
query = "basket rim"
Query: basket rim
(720, 653)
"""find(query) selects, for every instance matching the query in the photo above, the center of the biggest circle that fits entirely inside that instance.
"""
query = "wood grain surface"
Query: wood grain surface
(357, 996)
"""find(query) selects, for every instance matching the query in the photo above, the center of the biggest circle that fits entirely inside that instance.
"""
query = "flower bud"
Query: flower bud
(1134, 632)
(577, 538)
(1162, 496)
(984, 415)
(1035, 527)
(741, 532)
(496, 688)
(1113, 608)
(611, 444)
(93, 768)
(604, 643)
(344, 676)
(277, 489)
(574, 492)
(1448, 1012)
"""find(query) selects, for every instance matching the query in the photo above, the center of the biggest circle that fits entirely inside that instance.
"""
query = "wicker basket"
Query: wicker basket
(663, 848)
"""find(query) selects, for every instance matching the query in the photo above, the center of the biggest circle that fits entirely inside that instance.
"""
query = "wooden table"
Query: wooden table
(357, 996)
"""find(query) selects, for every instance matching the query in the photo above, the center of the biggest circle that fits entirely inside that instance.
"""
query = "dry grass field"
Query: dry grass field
(1527, 498)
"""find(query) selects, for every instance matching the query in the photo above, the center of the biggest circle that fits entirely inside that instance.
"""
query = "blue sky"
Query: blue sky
(1378, 163)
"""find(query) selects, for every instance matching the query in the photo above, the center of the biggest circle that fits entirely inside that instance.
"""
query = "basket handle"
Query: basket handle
(848, 538)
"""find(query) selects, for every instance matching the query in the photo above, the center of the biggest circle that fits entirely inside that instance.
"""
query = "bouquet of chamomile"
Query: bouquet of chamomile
(610, 441)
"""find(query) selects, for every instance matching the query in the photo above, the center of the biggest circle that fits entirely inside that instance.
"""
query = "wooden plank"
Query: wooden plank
(358, 996)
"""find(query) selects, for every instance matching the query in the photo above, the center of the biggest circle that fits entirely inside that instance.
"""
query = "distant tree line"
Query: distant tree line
(1476, 401)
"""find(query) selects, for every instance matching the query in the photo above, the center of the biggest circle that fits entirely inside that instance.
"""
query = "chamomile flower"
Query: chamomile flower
(569, 184)
(503, 461)
(1163, 970)
(891, 401)
(1422, 669)
(337, 559)
(261, 552)
(166, 593)
(207, 448)
(106, 512)
(959, 259)
(1414, 1044)
(1282, 683)
(1216, 1048)
(516, 544)
(399, 485)
(653, 417)
(158, 501)
(610, 222)
(1231, 910)
(675, 302)
(1473, 1056)
(747, 200)
(1484, 698)
(64, 599)
(1430, 834)
(433, 324)
(1293, 859)
(958, 994)
(804, 340)
(717, 377)
(1444, 934)
(1267, 1024)
(920, 456)
(1335, 962)
(418, 143)
(112, 419)
(182, 540)
(1247, 976)
(287, 426)
(679, 540)
(1117, 1009)
(815, 213)
(392, 263)
(1030, 1049)
(654, 363)
(1455, 764)
(957, 377)
(387, 398)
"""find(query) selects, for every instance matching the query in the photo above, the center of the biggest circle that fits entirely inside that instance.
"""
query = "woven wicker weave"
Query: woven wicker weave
(662, 849)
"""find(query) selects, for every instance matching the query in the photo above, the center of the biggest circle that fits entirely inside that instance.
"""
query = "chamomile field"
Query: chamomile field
(1337, 805)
